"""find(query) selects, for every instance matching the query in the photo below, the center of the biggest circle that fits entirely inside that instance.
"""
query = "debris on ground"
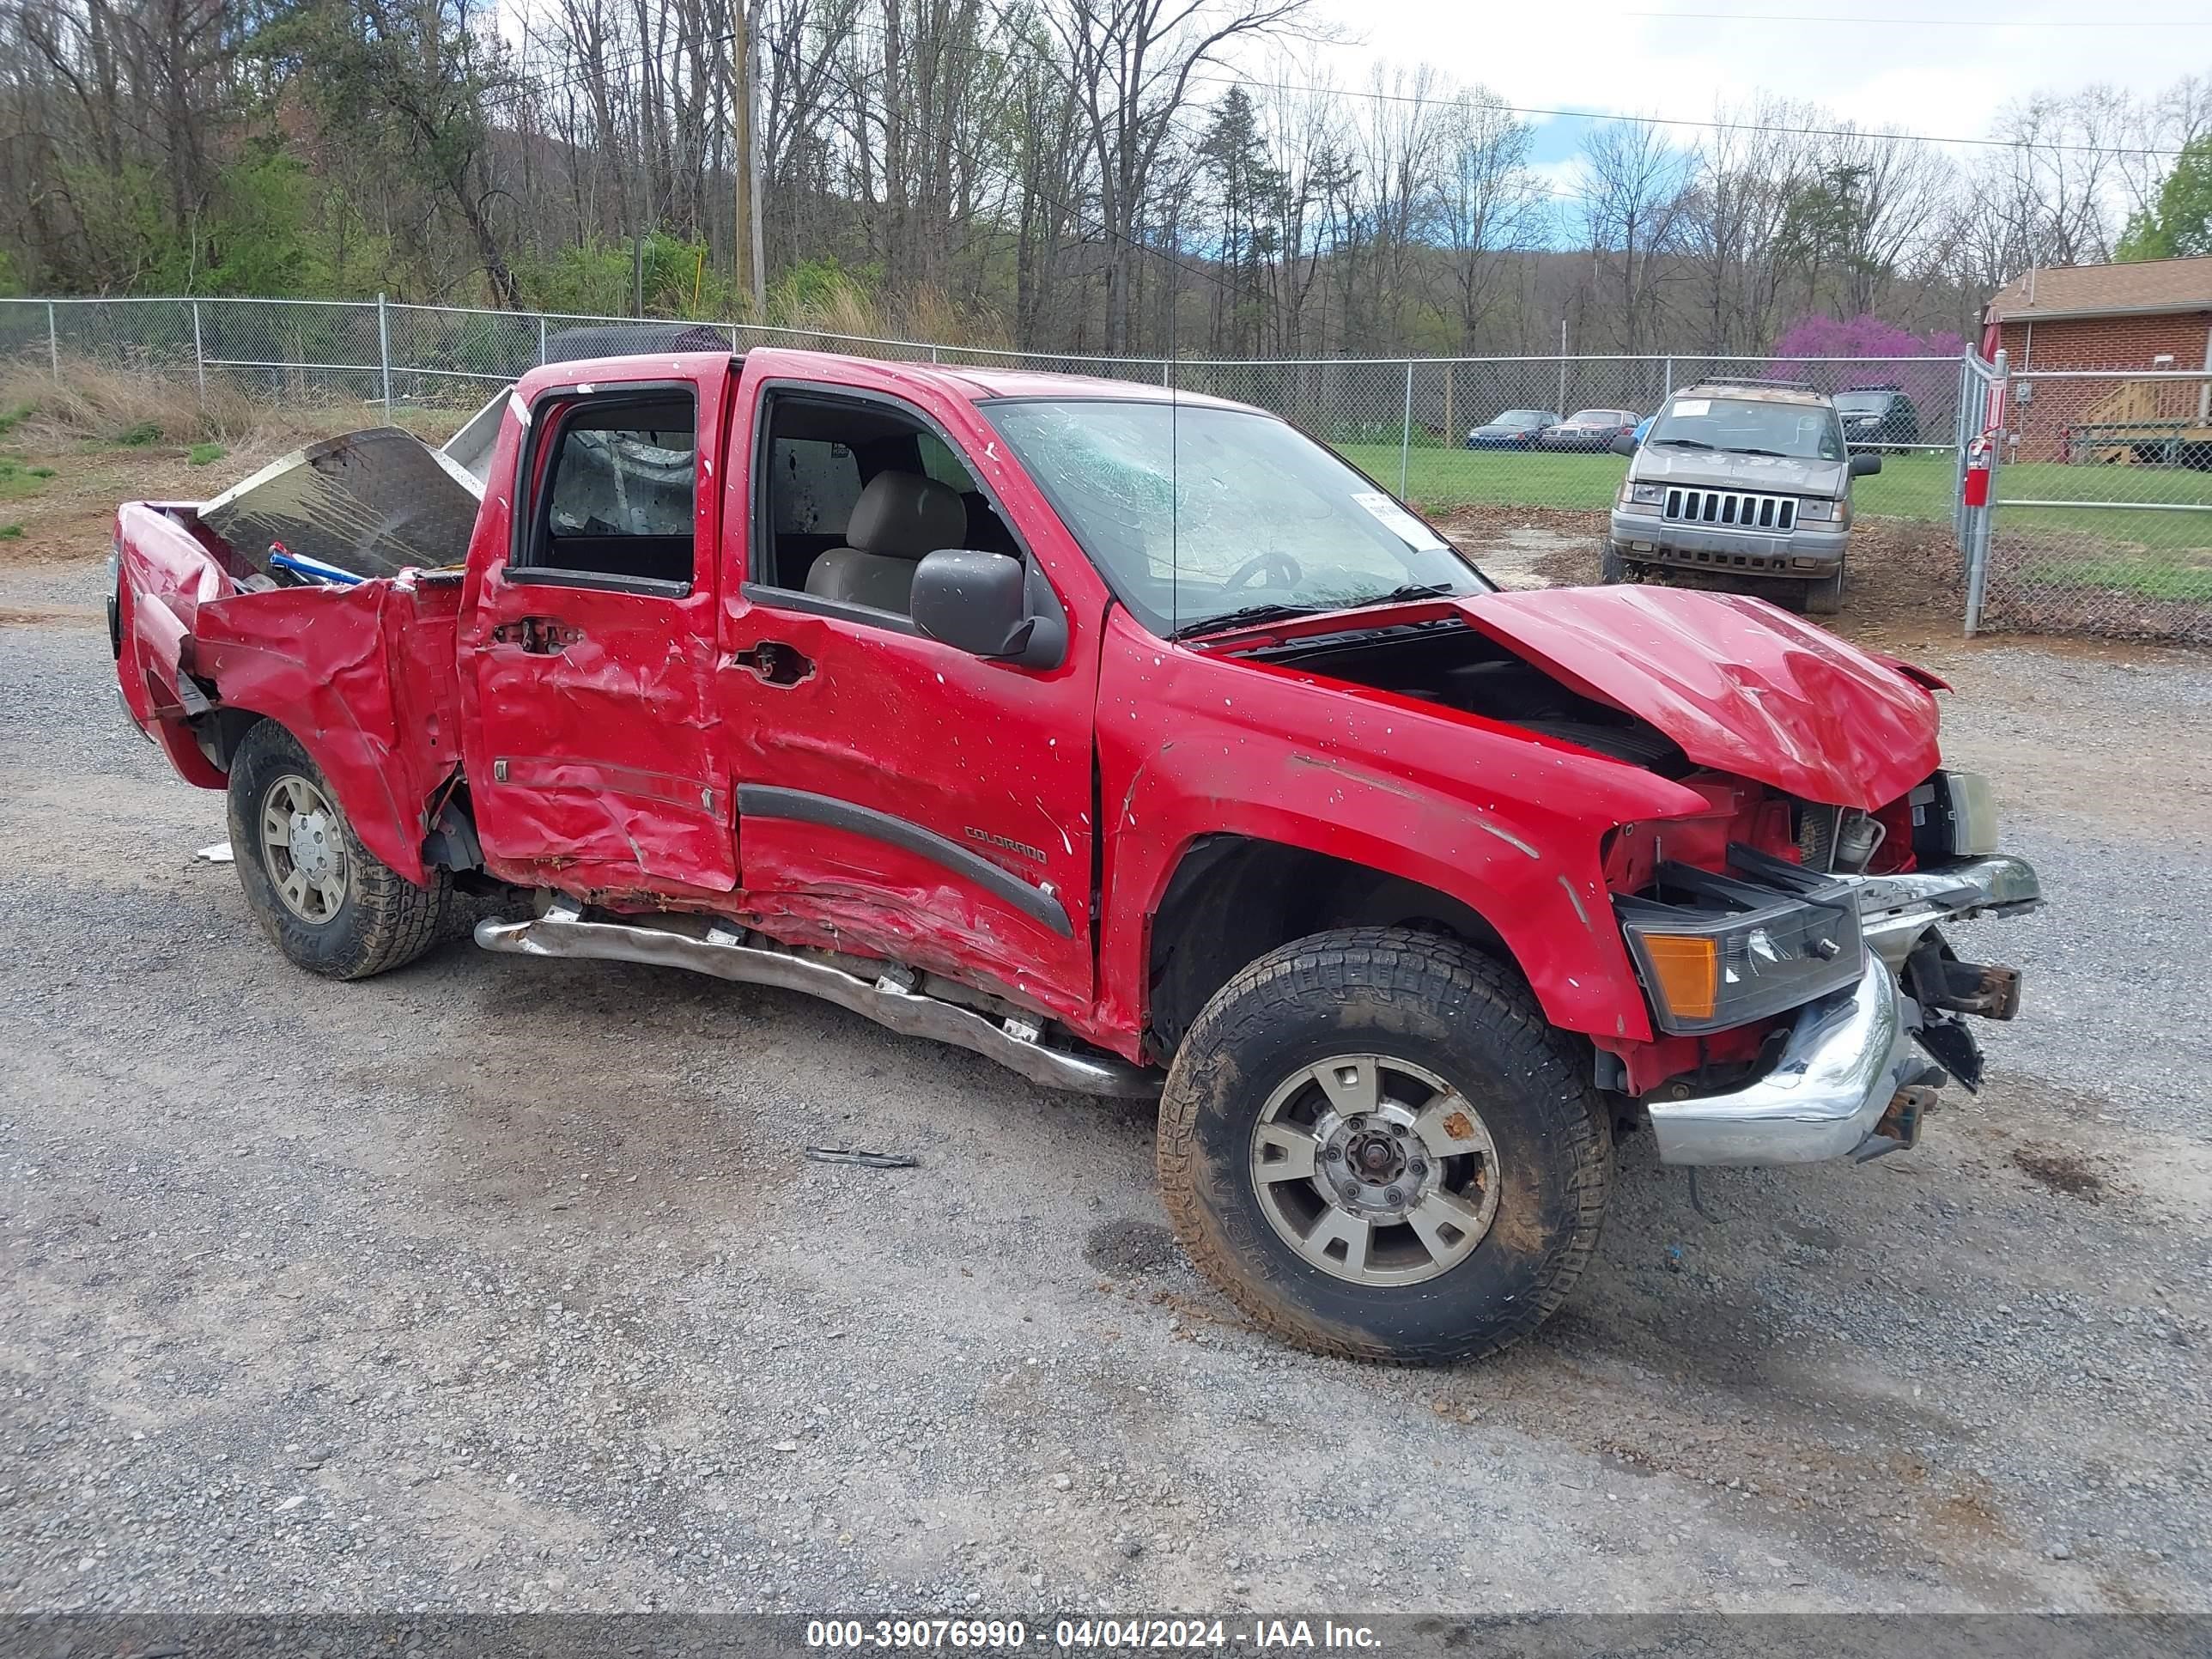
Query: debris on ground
(867, 1160)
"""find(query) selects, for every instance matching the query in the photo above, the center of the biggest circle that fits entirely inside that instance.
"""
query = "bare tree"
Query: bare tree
(1489, 204)
(1130, 66)
(1633, 198)
(1398, 139)
(1306, 130)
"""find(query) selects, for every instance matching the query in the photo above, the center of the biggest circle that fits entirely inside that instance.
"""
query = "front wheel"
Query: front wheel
(1824, 597)
(326, 902)
(1375, 1145)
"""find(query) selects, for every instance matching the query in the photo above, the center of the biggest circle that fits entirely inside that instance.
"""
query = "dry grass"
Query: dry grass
(928, 314)
(69, 451)
(93, 403)
(100, 406)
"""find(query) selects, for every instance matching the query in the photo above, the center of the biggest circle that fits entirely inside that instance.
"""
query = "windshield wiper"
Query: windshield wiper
(1276, 612)
(1679, 443)
(1250, 613)
(1778, 454)
(1410, 591)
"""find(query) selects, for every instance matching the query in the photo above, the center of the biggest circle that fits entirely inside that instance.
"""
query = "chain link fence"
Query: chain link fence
(313, 350)
(2100, 518)
(1513, 454)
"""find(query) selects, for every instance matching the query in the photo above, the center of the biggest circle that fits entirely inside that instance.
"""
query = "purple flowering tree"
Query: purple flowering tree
(1866, 337)
(1862, 336)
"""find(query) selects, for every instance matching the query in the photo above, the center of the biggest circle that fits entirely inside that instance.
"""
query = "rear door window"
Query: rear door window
(617, 500)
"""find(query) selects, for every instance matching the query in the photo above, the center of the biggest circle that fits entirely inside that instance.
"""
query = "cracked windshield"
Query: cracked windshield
(1204, 517)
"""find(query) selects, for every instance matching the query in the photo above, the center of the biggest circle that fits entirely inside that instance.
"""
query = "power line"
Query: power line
(1930, 22)
(1075, 214)
(1375, 94)
(1444, 101)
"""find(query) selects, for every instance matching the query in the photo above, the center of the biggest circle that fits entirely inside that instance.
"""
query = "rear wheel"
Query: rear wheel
(1371, 1141)
(332, 906)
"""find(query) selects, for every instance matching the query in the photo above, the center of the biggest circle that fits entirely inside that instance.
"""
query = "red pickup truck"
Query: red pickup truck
(1137, 742)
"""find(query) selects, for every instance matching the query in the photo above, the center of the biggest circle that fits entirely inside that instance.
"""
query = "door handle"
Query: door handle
(773, 663)
(538, 636)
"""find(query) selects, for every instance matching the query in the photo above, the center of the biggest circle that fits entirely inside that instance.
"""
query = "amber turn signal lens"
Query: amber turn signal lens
(1687, 969)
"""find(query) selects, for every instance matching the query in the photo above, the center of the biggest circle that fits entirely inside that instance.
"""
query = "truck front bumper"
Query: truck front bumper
(1851, 1057)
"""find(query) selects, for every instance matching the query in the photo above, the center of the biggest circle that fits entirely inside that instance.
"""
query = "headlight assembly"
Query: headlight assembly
(1955, 815)
(1715, 951)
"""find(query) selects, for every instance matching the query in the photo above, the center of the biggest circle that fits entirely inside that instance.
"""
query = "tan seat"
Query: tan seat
(900, 517)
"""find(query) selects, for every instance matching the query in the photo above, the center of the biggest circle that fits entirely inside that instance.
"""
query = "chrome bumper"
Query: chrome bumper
(1847, 1057)
(1671, 539)
(1849, 1054)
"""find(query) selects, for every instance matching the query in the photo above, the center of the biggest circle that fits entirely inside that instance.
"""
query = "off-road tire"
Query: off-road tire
(1612, 566)
(1825, 596)
(1425, 999)
(385, 921)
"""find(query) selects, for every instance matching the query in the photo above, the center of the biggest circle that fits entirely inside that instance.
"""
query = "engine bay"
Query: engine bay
(1444, 660)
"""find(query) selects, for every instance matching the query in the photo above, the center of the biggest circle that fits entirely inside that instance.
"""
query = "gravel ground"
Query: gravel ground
(503, 1284)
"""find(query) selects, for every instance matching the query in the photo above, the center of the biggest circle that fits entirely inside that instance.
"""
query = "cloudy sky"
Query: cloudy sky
(1931, 68)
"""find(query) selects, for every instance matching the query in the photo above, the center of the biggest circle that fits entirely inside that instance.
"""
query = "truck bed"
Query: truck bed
(364, 675)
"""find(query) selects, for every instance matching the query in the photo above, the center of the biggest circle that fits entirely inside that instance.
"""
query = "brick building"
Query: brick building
(2154, 315)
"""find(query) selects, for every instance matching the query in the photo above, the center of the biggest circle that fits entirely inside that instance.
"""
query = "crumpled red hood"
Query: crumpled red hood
(1743, 686)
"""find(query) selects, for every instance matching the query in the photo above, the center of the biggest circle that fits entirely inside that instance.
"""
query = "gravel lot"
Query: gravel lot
(503, 1284)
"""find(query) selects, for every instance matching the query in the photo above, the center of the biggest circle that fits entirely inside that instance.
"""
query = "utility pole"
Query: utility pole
(745, 229)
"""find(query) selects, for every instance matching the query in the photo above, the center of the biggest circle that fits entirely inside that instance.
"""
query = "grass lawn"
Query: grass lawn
(1917, 486)
(2152, 554)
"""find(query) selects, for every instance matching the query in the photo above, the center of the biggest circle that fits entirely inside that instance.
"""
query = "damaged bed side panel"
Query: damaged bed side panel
(363, 676)
(164, 575)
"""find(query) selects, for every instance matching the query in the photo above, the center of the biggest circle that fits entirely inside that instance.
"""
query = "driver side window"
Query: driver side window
(852, 494)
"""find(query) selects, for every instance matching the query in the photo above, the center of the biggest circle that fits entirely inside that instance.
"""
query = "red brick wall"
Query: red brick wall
(2040, 423)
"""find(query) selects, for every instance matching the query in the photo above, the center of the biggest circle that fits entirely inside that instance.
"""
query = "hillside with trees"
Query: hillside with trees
(1079, 175)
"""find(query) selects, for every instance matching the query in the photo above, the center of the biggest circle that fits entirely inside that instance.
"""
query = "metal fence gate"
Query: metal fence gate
(2100, 520)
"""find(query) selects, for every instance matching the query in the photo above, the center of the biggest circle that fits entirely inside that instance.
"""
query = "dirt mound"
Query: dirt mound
(1906, 576)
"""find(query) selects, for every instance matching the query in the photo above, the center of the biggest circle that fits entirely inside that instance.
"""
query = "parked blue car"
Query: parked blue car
(1643, 426)
(1516, 429)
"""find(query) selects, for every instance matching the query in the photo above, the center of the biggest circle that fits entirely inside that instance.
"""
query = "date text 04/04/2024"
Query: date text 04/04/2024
(1089, 1634)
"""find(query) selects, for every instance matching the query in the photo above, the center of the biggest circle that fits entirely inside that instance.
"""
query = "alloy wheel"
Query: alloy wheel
(1374, 1169)
(303, 848)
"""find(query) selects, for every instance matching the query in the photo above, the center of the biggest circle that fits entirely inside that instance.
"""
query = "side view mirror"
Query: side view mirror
(1864, 462)
(1624, 444)
(990, 605)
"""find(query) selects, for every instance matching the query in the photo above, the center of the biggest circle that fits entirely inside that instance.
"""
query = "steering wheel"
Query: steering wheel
(1259, 564)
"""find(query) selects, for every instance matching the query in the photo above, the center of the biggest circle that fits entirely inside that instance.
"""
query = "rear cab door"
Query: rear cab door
(587, 634)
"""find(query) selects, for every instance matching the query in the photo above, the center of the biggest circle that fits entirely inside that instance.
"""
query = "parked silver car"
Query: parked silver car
(1590, 429)
(1740, 479)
